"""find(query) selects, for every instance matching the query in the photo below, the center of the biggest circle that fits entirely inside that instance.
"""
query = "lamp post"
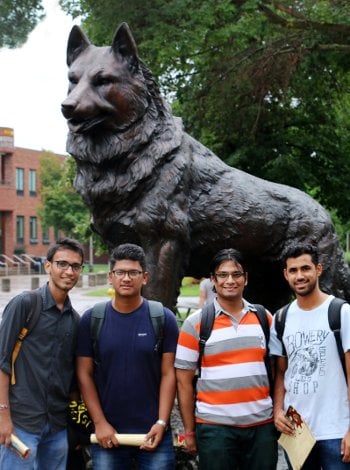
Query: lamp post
(91, 254)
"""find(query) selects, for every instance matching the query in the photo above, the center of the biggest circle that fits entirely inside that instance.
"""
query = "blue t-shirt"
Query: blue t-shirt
(128, 376)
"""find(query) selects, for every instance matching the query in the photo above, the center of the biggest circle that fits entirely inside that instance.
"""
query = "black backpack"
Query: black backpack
(156, 311)
(333, 320)
(207, 321)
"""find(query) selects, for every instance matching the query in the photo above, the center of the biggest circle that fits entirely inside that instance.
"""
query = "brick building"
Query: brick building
(20, 227)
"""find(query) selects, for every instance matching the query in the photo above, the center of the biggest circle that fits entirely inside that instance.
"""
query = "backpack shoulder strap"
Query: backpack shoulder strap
(280, 323)
(263, 320)
(33, 306)
(97, 317)
(334, 321)
(206, 326)
(262, 317)
(156, 311)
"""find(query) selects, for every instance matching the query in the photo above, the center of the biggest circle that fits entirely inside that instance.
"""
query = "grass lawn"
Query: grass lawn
(190, 290)
(97, 268)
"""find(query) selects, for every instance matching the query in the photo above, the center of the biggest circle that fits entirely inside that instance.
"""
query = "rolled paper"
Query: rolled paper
(124, 439)
(19, 447)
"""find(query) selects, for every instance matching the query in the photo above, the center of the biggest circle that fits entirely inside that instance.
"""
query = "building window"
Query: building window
(32, 182)
(20, 181)
(20, 229)
(33, 229)
(46, 236)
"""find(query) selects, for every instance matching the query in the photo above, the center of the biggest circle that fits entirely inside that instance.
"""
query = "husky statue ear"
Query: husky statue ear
(77, 43)
(125, 45)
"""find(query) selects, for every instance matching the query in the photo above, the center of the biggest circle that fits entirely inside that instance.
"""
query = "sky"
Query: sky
(33, 83)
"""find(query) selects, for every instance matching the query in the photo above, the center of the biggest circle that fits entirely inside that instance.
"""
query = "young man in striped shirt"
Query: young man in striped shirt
(228, 418)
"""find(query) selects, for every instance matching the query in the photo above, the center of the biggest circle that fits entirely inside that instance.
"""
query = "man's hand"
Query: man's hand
(282, 423)
(105, 434)
(6, 428)
(345, 448)
(153, 437)
(191, 443)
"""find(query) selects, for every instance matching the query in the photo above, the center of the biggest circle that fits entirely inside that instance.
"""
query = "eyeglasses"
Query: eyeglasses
(64, 266)
(224, 275)
(120, 273)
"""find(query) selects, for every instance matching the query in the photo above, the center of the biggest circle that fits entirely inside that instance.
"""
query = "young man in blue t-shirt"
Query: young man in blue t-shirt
(132, 387)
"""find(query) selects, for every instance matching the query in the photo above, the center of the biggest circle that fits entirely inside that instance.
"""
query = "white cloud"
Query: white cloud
(33, 83)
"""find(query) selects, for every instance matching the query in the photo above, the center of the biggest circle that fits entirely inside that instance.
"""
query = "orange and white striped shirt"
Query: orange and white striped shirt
(234, 387)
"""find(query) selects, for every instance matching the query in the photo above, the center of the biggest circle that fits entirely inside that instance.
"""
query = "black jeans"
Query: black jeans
(233, 448)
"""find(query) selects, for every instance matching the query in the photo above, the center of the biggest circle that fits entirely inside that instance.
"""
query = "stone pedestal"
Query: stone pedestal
(34, 284)
(101, 278)
(92, 279)
(5, 284)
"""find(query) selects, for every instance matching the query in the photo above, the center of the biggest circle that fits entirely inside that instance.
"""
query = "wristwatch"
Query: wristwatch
(162, 423)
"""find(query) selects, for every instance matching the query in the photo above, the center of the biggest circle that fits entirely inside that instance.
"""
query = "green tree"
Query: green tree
(263, 83)
(62, 207)
(18, 19)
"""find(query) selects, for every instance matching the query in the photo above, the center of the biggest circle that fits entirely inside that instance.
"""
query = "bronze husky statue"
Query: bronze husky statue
(146, 181)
